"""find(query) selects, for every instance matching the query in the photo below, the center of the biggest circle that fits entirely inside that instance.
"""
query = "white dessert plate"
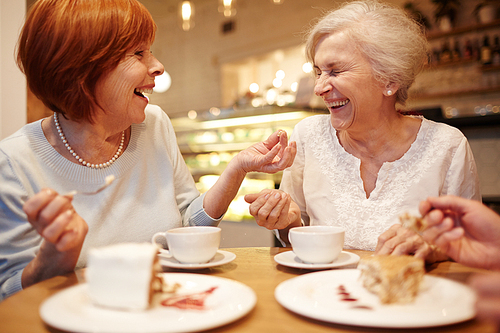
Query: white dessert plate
(317, 295)
(71, 309)
(220, 258)
(291, 260)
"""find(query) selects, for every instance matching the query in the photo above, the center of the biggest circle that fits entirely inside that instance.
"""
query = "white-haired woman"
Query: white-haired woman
(365, 163)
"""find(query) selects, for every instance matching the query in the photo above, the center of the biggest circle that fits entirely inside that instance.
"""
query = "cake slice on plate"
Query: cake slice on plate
(123, 276)
(395, 279)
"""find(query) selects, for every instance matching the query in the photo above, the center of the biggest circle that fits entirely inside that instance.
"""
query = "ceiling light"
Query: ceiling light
(186, 11)
(254, 87)
(307, 67)
(280, 74)
(227, 7)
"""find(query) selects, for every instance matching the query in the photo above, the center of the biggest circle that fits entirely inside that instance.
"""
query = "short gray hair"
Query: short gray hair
(394, 43)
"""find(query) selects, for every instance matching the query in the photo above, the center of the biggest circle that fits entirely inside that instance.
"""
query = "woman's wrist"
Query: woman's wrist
(48, 263)
(235, 168)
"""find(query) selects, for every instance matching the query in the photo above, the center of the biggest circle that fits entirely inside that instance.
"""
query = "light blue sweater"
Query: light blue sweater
(153, 191)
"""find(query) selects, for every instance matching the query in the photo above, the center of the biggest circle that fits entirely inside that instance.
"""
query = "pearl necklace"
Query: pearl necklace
(81, 160)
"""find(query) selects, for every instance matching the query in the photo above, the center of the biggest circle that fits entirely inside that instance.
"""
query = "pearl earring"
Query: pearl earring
(389, 92)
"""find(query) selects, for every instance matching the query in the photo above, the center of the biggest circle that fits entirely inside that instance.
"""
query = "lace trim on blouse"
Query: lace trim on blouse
(364, 219)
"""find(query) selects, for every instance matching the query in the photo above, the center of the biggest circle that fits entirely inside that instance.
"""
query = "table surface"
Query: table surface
(254, 267)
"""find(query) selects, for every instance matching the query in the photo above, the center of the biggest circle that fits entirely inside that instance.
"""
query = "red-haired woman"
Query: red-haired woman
(90, 62)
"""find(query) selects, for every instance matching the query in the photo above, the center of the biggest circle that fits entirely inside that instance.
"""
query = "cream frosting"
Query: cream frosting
(122, 275)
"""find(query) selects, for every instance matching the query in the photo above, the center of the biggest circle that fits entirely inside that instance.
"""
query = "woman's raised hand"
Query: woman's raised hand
(270, 156)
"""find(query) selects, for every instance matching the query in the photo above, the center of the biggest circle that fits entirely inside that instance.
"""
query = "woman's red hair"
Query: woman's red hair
(65, 46)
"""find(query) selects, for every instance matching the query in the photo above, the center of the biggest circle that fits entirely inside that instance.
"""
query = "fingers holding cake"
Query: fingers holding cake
(443, 233)
(398, 240)
(442, 227)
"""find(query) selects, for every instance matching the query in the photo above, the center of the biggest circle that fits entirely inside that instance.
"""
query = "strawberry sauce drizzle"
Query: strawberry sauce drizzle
(189, 302)
(345, 296)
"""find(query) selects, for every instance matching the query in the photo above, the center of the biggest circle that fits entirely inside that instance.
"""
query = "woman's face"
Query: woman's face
(345, 81)
(120, 93)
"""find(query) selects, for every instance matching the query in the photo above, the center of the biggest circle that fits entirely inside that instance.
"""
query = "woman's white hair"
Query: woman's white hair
(393, 43)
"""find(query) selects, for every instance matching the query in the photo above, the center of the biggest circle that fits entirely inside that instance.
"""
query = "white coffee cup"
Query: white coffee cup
(317, 244)
(190, 245)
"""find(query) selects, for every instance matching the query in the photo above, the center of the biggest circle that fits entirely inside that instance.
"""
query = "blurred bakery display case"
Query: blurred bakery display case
(209, 140)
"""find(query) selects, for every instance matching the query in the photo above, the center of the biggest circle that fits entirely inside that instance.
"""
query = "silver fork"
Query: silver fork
(109, 179)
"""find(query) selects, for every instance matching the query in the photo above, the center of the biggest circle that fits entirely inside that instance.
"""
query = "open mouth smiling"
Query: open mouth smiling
(337, 104)
(141, 91)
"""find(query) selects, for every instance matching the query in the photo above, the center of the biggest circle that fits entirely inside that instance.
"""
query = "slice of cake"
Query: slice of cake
(395, 279)
(123, 276)
(413, 223)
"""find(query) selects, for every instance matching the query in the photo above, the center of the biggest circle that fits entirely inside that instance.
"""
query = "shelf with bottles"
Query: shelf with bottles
(465, 62)
(481, 50)
(451, 63)
(464, 45)
(462, 30)
(468, 65)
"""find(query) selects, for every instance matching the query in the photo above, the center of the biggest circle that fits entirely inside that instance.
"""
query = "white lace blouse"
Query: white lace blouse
(325, 180)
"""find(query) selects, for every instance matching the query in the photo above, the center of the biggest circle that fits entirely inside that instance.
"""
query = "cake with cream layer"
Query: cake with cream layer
(395, 279)
(123, 276)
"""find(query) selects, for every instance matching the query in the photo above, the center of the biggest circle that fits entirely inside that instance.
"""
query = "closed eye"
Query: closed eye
(317, 71)
(332, 72)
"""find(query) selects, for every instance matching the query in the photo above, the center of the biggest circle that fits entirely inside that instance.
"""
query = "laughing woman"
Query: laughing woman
(90, 62)
(365, 163)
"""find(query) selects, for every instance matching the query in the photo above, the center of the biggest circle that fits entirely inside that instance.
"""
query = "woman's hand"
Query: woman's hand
(55, 219)
(270, 156)
(399, 241)
(465, 230)
(273, 209)
(63, 231)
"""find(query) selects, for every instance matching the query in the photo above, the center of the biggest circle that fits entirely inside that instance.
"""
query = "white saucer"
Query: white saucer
(220, 258)
(291, 260)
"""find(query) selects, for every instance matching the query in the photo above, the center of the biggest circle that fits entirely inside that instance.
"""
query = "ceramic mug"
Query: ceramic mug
(317, 244)
(190, 245)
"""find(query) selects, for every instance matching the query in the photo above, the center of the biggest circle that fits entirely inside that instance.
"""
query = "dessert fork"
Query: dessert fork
(109, 179)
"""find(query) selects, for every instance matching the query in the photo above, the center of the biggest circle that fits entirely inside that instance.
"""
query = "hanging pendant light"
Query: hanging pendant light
(227, 7)
(186, 14)
(277, 2)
